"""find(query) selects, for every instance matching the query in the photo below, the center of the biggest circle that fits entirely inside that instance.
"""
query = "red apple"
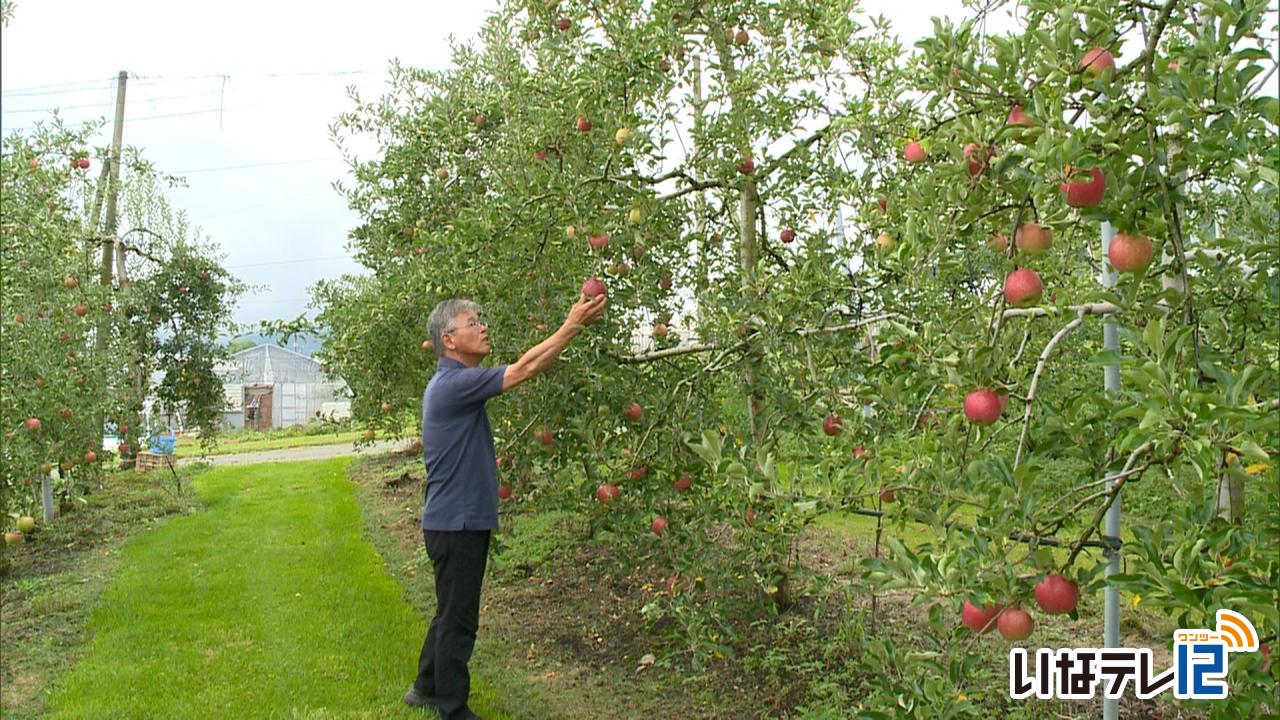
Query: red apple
(80, 309)
(787, 235)
(859, 453)
(584, 125)
(1130, 253)
(564, 24)
(1056, 594)
(504, 492)
(540, 155)
(659, 330)
(658, 526)
(747, 165)
(593, 287)
(1020, 118)
(83, 163)
(598, 241)
(607, 493)
(1023, 288)
(1015, 624)
(978, 156)
(634, 412)
(1033, 238)
(886, 494)
(982, 406)
(999, 242)
(684, 482)
(751, 517)
(831, 424)
(70, 282)
(478, 120)
(544, 435)
(13, 537)
(914, 152)
(638, 472)
(1085, 193)
(33, 423)
(1096, 62)
(979, 621)
(66, 413)
(884, 204)
(91, 457)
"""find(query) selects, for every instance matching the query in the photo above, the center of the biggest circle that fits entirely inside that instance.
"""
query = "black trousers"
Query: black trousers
(459, 559)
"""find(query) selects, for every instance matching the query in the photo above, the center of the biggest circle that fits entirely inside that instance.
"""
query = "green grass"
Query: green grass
(57, 577)
(258, 442)
(268, 604)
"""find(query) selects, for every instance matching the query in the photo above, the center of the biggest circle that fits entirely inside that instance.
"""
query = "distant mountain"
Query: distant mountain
(306, 345)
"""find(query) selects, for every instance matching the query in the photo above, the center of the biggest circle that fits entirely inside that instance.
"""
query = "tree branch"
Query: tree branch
(1035, 381)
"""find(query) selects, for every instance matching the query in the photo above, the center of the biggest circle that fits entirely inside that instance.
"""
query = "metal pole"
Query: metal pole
(1111, 381)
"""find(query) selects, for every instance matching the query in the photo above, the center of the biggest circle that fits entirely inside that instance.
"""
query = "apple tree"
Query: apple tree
(849, 279)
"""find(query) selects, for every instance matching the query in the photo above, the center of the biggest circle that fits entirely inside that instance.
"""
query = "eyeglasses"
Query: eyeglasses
(471, 324)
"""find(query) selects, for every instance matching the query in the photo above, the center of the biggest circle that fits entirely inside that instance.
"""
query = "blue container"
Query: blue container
(163, 444)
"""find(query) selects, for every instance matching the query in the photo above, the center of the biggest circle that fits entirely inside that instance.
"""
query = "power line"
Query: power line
(289, 262)
(252, 165)
(108, 104)
(94, 85)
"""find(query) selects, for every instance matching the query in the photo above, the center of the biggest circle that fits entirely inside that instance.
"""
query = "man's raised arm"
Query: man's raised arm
(542, 356)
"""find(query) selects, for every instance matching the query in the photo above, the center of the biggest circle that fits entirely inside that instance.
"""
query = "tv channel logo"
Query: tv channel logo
(1199, 672)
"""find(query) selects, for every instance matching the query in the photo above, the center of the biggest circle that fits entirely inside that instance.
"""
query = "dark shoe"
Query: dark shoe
(413, 698)
(464, 714)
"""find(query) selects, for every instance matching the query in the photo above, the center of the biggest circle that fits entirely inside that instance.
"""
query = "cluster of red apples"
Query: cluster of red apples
(1055, 595)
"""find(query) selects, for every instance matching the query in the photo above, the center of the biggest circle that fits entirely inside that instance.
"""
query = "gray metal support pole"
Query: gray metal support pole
(1111, 381)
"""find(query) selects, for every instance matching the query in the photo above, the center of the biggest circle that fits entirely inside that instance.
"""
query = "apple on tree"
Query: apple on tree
(658, 526)
(26, 524)
(1085, 193)
(1096, 62)
(544, 435)
(584, 124)
(684, 482)
(634, 412)
(747, 165)
(1015, 624)
(607, 493)
(831, 424)
(979, 620)
(1056, 594)
(593, 287)
(914, 152)
(982, 406)
(1033, 238)
(564, 24)
(787, 236)
(1023, 288)
(1130, 253)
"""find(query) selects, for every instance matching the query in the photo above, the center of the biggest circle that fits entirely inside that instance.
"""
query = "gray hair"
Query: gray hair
(441, 320)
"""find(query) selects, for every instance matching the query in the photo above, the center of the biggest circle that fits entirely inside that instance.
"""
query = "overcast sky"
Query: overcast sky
(238, 97)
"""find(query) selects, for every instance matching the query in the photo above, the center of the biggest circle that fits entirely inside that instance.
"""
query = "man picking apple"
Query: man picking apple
(461, 508)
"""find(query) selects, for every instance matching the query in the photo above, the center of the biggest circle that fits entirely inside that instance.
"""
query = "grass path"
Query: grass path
(268, 604)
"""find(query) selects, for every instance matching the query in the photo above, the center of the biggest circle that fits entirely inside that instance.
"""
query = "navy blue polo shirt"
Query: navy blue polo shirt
(457, 447)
